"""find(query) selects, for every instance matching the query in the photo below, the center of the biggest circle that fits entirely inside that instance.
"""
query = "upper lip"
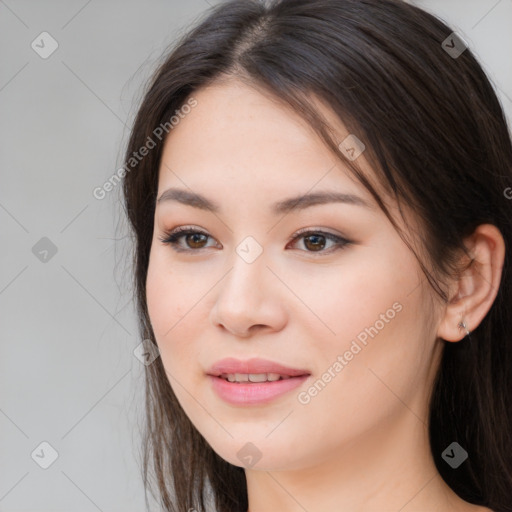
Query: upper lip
(255, 365)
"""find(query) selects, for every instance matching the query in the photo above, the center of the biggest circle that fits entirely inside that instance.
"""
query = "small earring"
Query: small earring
(462, 325)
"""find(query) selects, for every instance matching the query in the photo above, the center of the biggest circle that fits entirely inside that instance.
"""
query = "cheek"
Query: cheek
(341, 300)
(369, 311)
(171, 292)
(177, 301)
(167, 296)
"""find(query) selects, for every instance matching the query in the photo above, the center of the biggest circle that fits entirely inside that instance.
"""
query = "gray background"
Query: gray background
(68, 374)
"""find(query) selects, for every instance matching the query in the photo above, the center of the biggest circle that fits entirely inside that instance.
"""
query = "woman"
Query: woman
(318, 194)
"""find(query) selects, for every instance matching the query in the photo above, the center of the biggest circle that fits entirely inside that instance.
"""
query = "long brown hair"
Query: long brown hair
(437, 139)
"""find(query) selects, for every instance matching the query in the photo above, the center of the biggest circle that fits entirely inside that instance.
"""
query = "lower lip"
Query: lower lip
(256, 392)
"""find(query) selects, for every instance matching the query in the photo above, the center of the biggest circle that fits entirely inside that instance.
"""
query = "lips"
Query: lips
(239, 383)
(253, 366)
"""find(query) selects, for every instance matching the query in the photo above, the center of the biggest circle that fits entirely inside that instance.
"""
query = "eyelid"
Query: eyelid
(314, 230)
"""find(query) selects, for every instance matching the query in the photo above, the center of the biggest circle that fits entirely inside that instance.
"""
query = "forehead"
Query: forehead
(234, 129)
(236, 122)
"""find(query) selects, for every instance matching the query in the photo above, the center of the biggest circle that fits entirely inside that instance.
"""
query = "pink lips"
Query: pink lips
(252, 393)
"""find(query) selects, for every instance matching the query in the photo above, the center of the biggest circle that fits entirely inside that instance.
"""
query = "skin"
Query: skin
(362, 441)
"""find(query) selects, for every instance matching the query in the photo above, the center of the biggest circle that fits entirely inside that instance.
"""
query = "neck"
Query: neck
(389, 467)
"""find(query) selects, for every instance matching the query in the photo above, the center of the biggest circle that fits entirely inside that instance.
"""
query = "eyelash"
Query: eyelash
(172, 237)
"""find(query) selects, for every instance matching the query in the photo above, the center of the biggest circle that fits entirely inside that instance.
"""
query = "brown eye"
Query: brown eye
(196, 240)
(314, 242)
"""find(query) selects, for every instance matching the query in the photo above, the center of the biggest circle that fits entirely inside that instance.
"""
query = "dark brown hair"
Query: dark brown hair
(437, 140)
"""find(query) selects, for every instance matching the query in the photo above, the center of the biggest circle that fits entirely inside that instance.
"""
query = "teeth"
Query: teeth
(253, 377)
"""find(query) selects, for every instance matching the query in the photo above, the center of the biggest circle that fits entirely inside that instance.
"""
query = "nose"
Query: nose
(249, 299)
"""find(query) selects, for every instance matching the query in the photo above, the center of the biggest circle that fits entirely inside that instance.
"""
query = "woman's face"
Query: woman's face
(353, 316)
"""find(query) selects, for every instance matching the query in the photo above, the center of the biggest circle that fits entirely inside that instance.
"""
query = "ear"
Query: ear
(473, 294)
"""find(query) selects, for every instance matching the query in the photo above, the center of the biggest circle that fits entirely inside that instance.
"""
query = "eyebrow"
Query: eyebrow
(299, 202)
